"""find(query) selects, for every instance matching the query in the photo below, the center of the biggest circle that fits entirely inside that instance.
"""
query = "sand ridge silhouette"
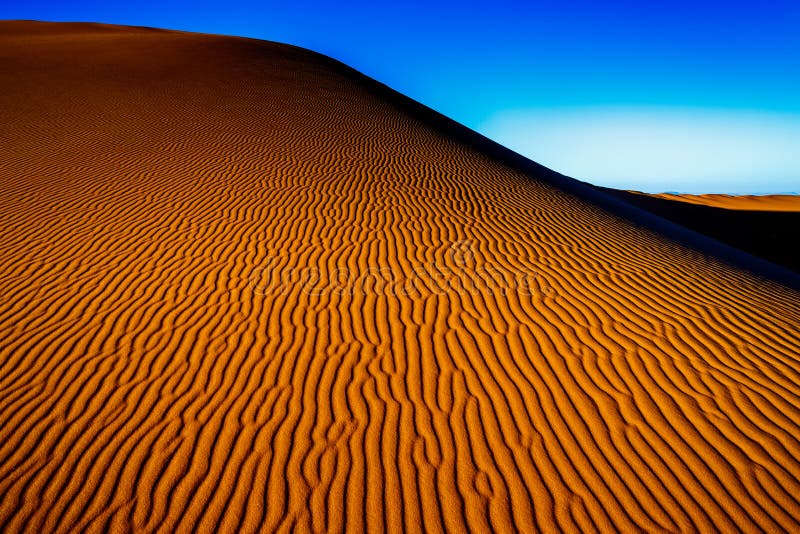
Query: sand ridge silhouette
(243, 292)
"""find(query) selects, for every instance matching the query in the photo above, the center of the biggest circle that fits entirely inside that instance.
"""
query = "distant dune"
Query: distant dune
(246, 288)
(763, 225)
(789, 203)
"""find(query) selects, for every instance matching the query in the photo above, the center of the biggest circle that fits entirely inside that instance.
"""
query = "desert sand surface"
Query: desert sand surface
(244, 290)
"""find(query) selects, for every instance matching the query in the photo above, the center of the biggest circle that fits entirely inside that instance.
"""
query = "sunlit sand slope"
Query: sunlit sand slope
(242, 291)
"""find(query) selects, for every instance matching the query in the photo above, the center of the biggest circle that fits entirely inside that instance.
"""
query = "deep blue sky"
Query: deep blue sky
(673, 95)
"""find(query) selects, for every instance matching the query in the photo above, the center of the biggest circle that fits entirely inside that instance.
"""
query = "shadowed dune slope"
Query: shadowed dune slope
(243, 290)
(767, 226)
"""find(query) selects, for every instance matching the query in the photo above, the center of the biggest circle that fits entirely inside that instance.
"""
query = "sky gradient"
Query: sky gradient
(673, 96)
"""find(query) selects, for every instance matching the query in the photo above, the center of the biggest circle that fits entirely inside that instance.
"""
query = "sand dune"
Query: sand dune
(740, 202)
(245, 290)
(761, 225)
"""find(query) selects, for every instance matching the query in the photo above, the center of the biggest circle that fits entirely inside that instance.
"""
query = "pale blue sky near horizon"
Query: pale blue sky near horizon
(683, 96)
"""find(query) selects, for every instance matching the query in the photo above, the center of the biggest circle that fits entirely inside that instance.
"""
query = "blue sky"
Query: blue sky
(675, 95)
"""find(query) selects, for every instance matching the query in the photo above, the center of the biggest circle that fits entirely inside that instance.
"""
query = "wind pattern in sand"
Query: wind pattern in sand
(241, 292)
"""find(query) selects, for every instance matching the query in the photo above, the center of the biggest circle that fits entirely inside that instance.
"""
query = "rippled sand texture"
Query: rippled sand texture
(174, 354)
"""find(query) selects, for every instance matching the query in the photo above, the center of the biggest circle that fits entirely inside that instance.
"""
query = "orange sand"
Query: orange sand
(154, 376)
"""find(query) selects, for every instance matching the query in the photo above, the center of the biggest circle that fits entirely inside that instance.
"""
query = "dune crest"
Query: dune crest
(244, 292)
